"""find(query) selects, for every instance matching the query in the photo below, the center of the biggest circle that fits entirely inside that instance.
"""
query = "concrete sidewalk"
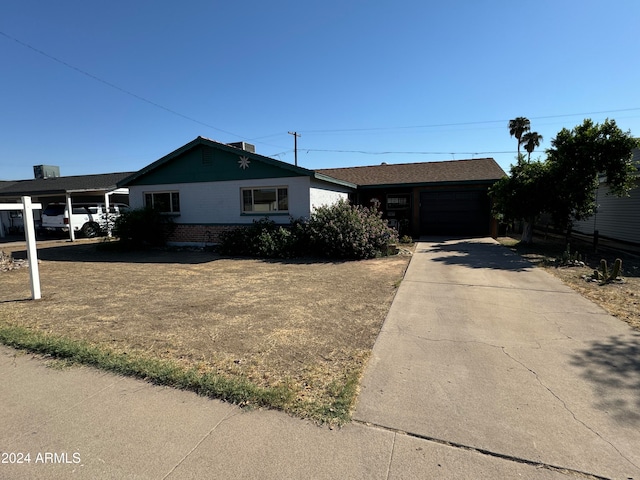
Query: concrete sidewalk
(485, 369)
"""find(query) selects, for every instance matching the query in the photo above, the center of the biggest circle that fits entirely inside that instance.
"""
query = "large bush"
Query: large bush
(143, 227)
(342, 230)
(336, 231)
(263, 238)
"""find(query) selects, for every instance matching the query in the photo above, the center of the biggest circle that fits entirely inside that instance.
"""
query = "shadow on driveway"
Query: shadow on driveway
(476, 254)
(612, 366)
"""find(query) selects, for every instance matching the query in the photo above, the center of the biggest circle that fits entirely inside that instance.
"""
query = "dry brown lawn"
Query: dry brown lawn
(309, 324)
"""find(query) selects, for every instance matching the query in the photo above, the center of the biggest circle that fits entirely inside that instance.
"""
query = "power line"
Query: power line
(459, 124)
(116, 87)
(366, 152)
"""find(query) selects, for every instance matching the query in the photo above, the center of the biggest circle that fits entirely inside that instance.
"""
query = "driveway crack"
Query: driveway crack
(566, 407)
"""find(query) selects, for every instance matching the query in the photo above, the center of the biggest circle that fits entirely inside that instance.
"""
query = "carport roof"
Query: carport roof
(457, 171)
(62, 185)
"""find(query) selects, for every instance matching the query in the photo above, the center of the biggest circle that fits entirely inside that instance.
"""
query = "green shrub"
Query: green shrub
(143, 227)
(263, 238)
(349, 231)
(336, 231)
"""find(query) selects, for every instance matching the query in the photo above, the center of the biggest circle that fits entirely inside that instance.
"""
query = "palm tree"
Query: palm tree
(531, 140)
(517, 127)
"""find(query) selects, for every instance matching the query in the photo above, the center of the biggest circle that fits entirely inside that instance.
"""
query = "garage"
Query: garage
(433, 198)
(455, 212)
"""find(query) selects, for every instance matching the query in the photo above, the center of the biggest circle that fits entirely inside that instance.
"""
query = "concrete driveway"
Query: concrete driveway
(482, 351)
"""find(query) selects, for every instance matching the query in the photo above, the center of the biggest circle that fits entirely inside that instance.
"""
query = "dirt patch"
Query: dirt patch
(620, 299)
(307, 324)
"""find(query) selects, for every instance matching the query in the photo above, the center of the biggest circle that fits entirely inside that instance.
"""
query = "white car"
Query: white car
(90, 219)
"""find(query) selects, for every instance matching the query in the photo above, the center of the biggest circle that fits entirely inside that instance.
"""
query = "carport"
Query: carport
(100, 188)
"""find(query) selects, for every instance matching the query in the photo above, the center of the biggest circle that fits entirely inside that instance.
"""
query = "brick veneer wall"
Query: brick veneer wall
(198, 234)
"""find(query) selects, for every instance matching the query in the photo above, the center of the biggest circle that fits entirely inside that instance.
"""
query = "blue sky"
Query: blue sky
(98, 87)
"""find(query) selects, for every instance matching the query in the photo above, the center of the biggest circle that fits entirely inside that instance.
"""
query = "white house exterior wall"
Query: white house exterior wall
(220, 202)
(321, 194)
(617, 218)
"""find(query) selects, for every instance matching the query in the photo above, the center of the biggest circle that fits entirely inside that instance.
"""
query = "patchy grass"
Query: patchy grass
(292, 335)
(621, 300)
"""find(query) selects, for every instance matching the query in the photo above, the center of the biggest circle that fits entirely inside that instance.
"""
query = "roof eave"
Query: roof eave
(430, 184)
(326, 178)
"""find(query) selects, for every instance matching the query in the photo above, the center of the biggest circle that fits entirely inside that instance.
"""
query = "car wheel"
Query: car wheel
(91, 230)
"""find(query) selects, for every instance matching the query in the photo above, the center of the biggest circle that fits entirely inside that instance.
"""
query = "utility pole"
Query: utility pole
(295, 145)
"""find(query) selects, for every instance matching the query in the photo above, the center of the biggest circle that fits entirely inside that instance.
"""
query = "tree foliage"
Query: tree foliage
(517, 128)
(576, 159)
(531, 140)
(563, 185)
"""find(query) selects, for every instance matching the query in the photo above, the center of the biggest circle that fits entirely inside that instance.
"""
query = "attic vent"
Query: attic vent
(244, 146)
(46, 171)
(207, 156)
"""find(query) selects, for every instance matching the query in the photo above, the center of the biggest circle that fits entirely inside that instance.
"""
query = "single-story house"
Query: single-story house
(47, 189)
(208, 187)
(616, 218)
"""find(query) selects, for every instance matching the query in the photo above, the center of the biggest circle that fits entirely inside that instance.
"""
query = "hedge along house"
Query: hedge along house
(429, 198)
(208, 187)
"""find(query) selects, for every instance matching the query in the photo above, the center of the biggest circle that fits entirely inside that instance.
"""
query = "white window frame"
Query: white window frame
(171, 202)
(277, 189)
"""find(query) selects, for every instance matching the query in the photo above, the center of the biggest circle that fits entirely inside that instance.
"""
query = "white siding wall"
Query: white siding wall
(617, 218)
(220, 202)
(322, 194)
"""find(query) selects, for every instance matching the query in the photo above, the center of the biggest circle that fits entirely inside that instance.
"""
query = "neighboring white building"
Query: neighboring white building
(616, 218)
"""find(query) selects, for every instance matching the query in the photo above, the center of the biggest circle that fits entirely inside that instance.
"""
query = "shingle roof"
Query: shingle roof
(420, 173)
(61, 185)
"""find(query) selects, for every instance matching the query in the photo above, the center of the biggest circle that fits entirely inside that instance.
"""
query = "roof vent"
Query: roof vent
(46, 171)
(244, 146)
(383, 163)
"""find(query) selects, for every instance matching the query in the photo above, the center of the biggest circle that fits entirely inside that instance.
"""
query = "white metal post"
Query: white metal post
(30, 233)
(72, 235)
(32, 251)
(107, 216)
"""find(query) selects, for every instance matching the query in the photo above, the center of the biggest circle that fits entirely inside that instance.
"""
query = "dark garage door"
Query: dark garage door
(454, 212)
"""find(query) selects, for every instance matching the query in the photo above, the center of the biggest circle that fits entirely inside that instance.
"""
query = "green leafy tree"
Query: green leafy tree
(522, 195)
(576, 159)
(564, 183)
(517, 128)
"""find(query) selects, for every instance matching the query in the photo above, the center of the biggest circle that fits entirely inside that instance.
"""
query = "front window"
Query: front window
(265, 200)
(164, 202)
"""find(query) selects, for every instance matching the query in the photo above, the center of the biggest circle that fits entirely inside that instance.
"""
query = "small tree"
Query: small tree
(522, 195)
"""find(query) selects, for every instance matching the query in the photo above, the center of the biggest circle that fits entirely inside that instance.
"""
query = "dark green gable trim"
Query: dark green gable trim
(204, 160)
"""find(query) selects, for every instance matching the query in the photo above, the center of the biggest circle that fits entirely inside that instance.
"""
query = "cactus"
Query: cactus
(605, 276)
(615, 271)
(604, 269)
